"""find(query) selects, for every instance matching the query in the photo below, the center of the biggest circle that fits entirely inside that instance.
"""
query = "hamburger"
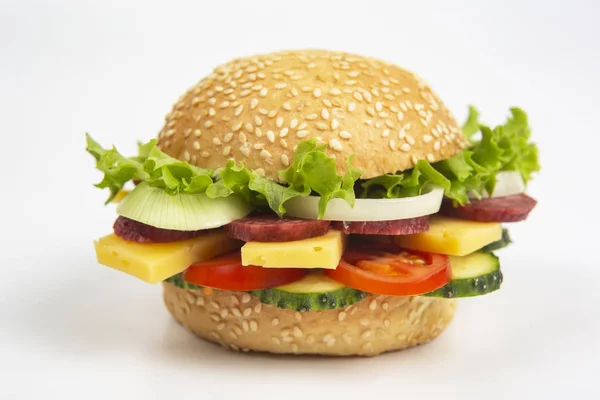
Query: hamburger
(316, 202)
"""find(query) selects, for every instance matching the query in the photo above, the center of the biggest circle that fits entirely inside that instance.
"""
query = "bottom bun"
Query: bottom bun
(377, 324)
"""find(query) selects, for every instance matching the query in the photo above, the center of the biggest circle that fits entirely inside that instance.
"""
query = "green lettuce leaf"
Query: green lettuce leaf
(312, 171)
(505, 148)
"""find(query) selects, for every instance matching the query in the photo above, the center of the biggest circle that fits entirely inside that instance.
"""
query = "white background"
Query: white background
(72, 329)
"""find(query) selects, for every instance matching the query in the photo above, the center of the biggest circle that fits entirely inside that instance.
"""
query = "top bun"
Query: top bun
(256, 110)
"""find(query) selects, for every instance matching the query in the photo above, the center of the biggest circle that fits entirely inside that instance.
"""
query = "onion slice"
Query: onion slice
(368, 209)
(508, 183)
(183, 212)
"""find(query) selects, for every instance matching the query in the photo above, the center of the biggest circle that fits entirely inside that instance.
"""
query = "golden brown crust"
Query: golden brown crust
(256, 110)
(375, 325)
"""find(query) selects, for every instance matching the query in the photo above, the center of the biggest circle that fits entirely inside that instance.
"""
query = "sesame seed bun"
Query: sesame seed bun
(256, 109)
(377, 324)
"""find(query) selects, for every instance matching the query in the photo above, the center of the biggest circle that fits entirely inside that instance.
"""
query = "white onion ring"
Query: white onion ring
(508, 183)
(367, 209)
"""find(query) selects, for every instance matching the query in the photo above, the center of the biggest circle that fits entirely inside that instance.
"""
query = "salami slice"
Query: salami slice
(499, 209)
(135, 231)
(396, 227)
(271, 228)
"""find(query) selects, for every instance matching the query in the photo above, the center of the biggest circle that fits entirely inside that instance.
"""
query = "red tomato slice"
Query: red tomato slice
(226, 272)
(390, 270)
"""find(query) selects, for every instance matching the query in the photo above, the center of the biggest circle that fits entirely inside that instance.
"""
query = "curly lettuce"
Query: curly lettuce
(312, 171)
(505, 148)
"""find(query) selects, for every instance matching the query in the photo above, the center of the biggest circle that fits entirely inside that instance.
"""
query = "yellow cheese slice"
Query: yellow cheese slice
(318, 252)
(451, 236)
(155, 262)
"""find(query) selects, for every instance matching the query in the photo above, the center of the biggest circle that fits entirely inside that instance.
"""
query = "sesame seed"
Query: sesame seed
(223, 104)
(279, 122)
(224, 313)
(328, 337)
(405, 147)
(406, 90)
(427, 138)
(297, 332)
(371, 111)
(257, 120)
(249, 127)
(216, 141)
(280, 85)
(285, 332)
(345, 135)
(271, 136)
(275, 321)
(351, 106)
(245, 150)
(324, 114)
(215, 317)
(410, 140)
(317, 92)
(436, 145)
(247, 311)
(283, 132)
(350, 82)
(392, 144)
(257, 307)
(196, 145)
(216, 335)
(401, 133)
(303, 125)
(322, 126)
(242, 137)
(246, 298)
(187, 132)
(379, 106)
(283, 143)
(301, 134)
(430, 157)
(227, 138)
(386, 133)
(253, 326)
(358, 96)
(208, 124)
(263, 111)
(366, 334)
(363, 321)
(245, 326)
(200, 301)
(293, 123)
(275, 340)
(221, 326)
(263, 92)
(385, 305)
(311, 117)
(212, 101)
(294, 92)
(367, 96)
(335, 144)
(170, 132)
(236, 311)
(265, 154)
(287, 106)
(253, 103)
(284, 160)
(341, 316)
(287, 339)
(245, 93)
(334, 123)
(205, 154)
(389, 123)
(403, 107)
(226, 150)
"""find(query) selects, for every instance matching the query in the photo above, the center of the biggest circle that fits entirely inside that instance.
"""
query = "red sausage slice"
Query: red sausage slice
(396, 227)
(499, 209)
(271, 228)
(135, 231)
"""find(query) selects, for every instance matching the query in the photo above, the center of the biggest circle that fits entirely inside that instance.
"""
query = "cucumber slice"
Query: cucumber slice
(473, 275)
(314, 291)
(182, 212)
(497, 245)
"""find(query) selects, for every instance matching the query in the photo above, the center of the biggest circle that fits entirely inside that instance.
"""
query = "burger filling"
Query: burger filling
(315, 239)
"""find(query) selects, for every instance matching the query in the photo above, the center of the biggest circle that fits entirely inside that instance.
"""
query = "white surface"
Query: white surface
(72, 329)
